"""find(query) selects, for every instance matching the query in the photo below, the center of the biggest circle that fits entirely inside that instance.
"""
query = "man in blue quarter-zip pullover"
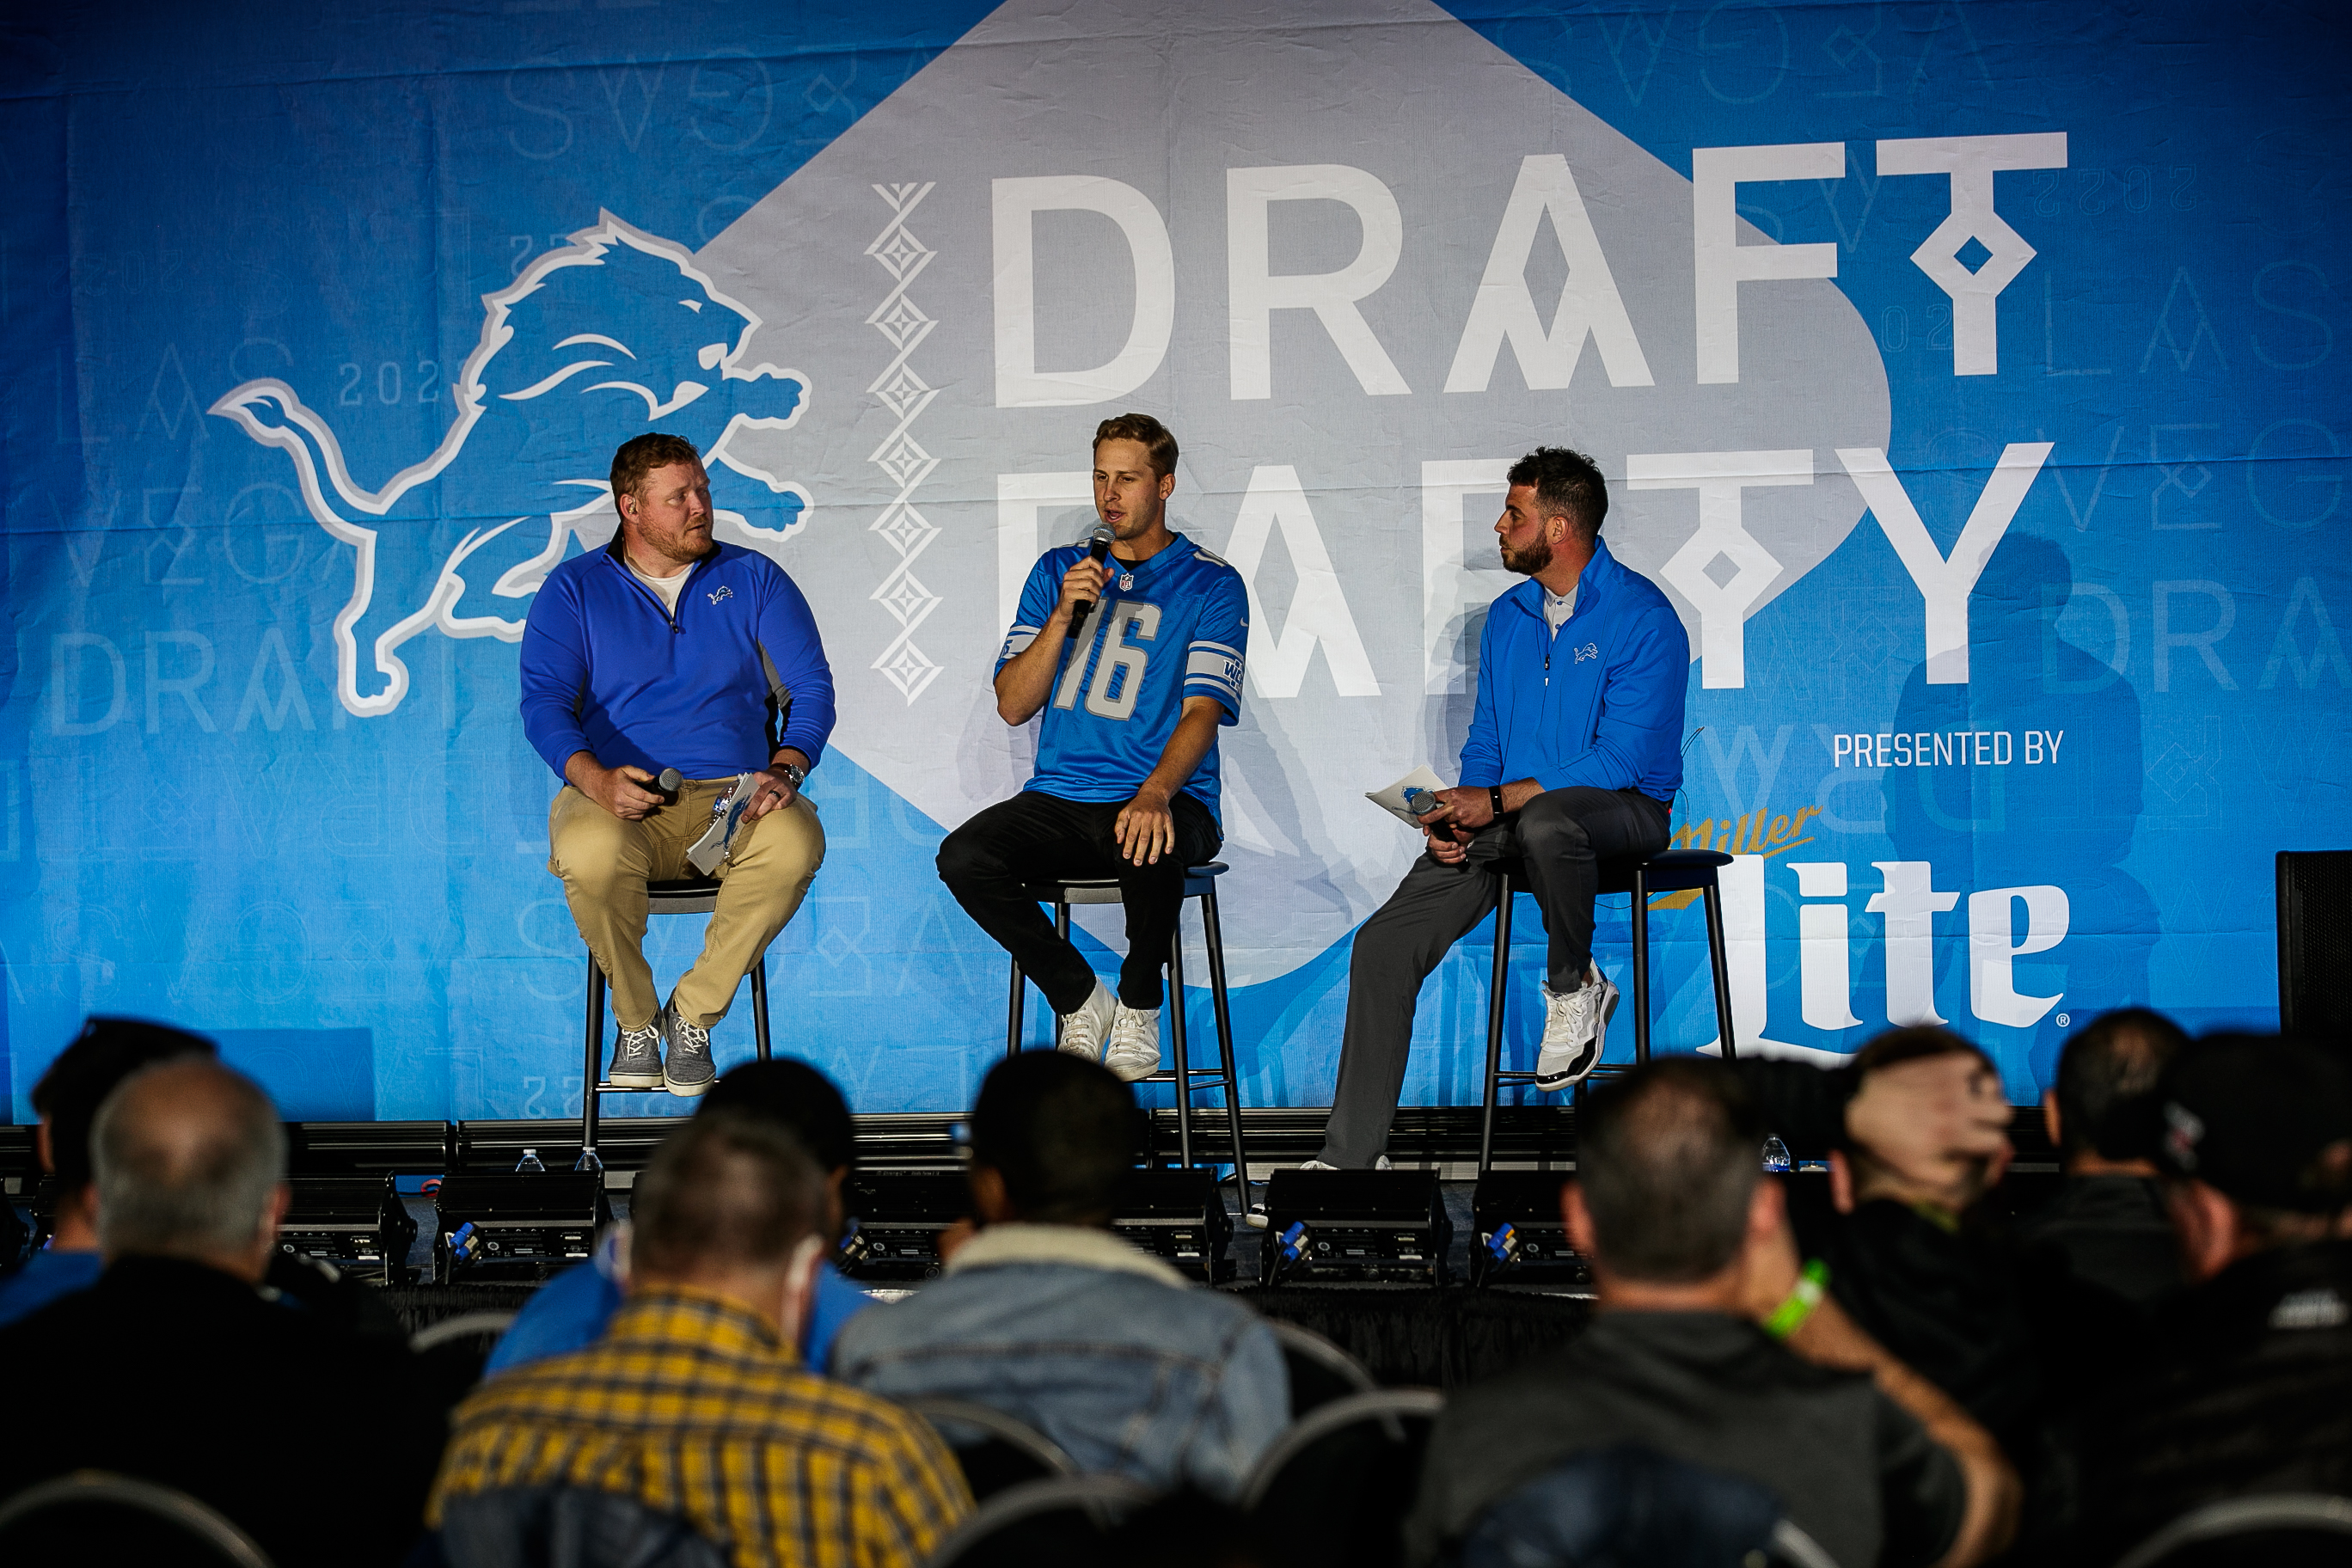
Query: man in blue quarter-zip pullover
(669, 650)
(1573, 757)
(1126, 783)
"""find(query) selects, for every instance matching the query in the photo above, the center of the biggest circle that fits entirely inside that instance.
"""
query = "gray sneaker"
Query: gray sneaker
(1576, 1031)
(687, 1071)
(636, 1058)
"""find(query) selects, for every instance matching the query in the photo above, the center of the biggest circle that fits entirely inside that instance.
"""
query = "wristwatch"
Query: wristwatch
(1495, 793)
(793, 772)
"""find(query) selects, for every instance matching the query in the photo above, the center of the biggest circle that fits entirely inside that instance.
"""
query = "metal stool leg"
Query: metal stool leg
(1718, 960)
(1062, 930)
(1014, 1008)
(1494, 994)
(1176, 1039)
(1215, 943)
(593, 1057)
(1641, 921)
(759, 1005)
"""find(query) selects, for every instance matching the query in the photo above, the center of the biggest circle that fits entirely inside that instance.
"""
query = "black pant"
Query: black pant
(1558, 841)
(991, 861)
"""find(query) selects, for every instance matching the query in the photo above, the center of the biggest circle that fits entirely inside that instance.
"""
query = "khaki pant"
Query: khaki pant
(606, 864)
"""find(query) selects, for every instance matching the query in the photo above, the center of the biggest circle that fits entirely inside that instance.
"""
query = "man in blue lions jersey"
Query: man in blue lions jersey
(1126, 783)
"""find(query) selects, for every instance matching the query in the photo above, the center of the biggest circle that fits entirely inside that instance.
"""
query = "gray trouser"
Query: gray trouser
(1557, 841)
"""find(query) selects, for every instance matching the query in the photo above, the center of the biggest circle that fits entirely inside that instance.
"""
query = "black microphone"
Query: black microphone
(1098, 549)
(666, 784)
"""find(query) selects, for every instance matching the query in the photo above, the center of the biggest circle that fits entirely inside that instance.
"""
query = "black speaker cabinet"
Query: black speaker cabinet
(2315, 938)
(356, 1223)
(1179, 1216)
(1351, 1227)
(1516, 1234)
(896, 1217)
(518, 1226)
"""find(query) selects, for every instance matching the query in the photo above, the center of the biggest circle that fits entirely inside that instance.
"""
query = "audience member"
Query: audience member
(694, 1403)
(176, 1369)
(2253, 1394)
(66, 1099)
(1907, 1258)
(572, 1309)
(1710, 1347)
(2099, 1259)
(1045, 1315)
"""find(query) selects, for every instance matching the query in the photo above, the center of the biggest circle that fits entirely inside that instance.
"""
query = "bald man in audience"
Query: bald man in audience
(176, 1367)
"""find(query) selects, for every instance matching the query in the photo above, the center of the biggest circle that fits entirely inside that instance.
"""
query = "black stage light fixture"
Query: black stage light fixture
(1179, 1216)
(510, 1225)
(1519, 1236)
(356, 1223)
(20, 1162)
(896, 1217)
(1351, 1227)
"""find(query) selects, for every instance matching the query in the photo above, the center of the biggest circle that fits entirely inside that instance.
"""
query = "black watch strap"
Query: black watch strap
(793, 771)
(1495, 793)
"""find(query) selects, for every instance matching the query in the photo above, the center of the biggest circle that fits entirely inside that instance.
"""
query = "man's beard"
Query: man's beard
(1529, 562)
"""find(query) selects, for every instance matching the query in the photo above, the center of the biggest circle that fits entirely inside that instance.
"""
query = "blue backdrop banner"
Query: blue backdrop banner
(1964, 375)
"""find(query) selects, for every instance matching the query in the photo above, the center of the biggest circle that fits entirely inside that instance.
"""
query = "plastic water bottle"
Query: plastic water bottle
(1776, 1156)
(533, 1163)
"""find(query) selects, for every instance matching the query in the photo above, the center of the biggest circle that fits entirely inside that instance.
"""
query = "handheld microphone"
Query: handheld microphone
(666, 785)
(1098, 549)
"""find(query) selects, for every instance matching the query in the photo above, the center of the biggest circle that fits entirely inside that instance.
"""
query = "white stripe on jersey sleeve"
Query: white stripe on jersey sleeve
(1203, 645)
(1216, 668)
(1017, 641)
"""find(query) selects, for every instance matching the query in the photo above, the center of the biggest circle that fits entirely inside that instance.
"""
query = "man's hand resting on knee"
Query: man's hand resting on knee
(627, 792)
(1145, 828)
(770, 792)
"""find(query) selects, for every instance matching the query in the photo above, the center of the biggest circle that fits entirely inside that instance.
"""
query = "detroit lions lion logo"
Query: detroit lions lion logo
(616, 333)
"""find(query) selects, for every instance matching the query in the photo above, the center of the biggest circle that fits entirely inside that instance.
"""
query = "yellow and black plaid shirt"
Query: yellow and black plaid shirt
(690, 1406)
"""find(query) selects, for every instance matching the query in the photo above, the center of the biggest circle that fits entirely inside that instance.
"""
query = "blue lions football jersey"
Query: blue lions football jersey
(1170, 628)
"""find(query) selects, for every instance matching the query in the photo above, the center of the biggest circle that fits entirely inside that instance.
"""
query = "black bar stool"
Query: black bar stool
(1199, 882)
(1669, 871)
(693, 896)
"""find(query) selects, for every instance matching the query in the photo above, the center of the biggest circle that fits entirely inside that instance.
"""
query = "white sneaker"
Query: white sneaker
(1258, 1215)
(1134, 1050)
(1576, 1026)
(1083, 1031)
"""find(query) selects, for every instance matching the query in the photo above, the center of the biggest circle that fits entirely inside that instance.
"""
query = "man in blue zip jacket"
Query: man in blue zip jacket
(1573, 757)
(669, 650)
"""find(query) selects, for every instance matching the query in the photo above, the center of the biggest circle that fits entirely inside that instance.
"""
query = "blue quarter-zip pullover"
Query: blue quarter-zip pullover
(1600, 704)
(712, 693)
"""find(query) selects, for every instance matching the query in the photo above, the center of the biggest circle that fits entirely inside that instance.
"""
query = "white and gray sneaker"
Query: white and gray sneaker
(1083, 1032)
(1576, 1026)
(1134, 1050)
(1257, 1211)
(688, 1070)
(636, 1058)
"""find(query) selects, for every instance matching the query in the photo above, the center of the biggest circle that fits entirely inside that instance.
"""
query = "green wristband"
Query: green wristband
(1812, 1282)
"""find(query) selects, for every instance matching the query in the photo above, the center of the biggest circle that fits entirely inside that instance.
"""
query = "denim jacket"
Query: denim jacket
(1110, 1353)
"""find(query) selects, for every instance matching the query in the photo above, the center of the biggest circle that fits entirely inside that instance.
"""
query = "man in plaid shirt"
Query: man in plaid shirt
(694, 1404)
